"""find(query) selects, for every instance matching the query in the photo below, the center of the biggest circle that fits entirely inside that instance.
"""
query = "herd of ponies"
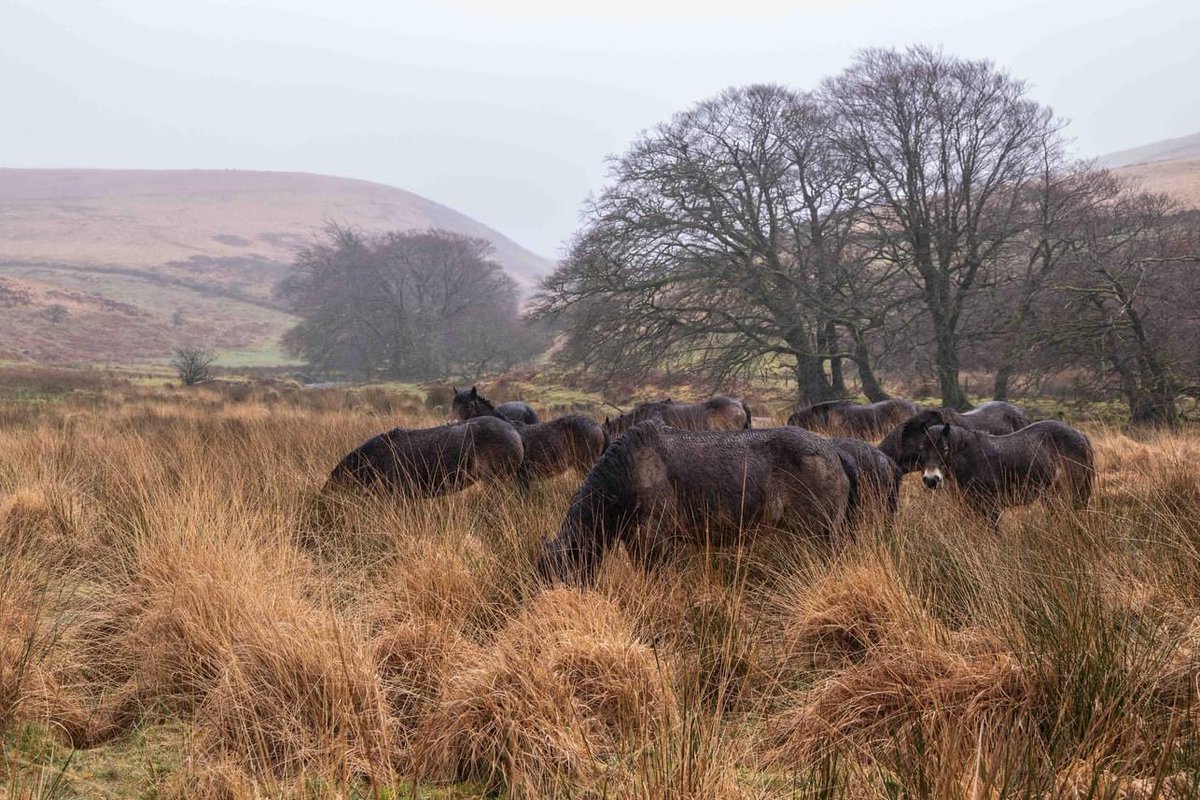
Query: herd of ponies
(669, 472)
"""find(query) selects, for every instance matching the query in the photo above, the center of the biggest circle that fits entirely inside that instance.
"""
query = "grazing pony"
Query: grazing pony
(842, 417)
(432, 461)
(552, 448)
(656, 486)
(879, 476)
(714, 414)
(469, 404)
(995, 417)
(997, 472)
(903, 444)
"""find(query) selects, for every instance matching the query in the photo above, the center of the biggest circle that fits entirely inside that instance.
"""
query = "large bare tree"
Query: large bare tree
(728, 241)
(948, 146)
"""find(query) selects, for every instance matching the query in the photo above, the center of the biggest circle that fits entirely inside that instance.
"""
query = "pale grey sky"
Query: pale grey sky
(506, 110)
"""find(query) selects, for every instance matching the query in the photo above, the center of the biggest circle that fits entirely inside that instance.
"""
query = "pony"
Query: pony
(841, 417)
(902, 445)
(432, 461)
(657, 486)
(552, 448)
(469, 404)
(1047, 458)
(714, 414)
(995, 417)
(879, 477)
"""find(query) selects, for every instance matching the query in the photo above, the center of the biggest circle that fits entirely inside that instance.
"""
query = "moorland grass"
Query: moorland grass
(176, 619)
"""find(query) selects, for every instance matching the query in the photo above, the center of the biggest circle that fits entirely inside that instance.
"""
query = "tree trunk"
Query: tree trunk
(946, 366)
(1000, 387)
(1156, 401)
(866, 374)
(811, 383)
(828, 344)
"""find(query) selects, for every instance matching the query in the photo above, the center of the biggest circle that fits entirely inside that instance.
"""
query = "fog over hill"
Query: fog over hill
(142, 259)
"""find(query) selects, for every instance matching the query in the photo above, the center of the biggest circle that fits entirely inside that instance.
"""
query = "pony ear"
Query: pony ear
(474, 393)
(946, 430)
(454, 388)
(606, 422)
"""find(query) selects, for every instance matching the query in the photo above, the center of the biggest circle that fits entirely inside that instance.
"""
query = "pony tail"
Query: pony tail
(749, 416)
(853, 498)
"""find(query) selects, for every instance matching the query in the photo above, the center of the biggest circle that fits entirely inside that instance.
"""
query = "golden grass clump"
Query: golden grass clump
(301, 698)
(415, 661)
(37, 526)
(434, 579)
(895, 691)
(840, 619)
(563, 684)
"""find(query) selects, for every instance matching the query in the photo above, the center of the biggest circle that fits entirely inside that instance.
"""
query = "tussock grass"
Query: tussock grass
(165, 565)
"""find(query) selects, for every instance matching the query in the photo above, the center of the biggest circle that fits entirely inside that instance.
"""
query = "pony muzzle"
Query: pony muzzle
(932, 478)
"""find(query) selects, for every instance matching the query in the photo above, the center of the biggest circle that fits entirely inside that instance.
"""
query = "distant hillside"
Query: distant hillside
(1179, 178)
(143, 260)
(1166, 150)
(1171, 166)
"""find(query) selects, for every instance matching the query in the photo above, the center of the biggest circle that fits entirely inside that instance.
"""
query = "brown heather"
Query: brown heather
(179, 616)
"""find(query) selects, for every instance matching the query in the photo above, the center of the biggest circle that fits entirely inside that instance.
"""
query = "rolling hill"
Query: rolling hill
(1185, 147)
(144, 260)
(1171, 166)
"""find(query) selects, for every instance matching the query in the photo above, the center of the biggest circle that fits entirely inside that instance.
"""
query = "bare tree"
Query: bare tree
(192, 364)
(1060, 204)
(57, 314)
(727, 242)
(414, 304)
(1129, 304)
(949, 147)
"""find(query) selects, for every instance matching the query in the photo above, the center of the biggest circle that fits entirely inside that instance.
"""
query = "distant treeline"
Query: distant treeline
(916, 215)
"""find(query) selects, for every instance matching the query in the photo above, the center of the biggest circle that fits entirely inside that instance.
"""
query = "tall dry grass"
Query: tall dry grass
(163, 567)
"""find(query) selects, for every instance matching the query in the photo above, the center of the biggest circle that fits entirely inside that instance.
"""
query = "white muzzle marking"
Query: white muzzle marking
(932, 477)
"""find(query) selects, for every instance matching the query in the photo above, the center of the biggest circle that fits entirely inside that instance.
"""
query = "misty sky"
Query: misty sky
(506, 110)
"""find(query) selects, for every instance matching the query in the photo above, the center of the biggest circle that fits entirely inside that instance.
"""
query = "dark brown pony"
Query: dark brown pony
(995, 417)
(656, 486)
(902, 445)
(841, 417)
(879, 477)
(552, 448)
(432, 461)
(997, 472)
(469, 404)
(714, 414)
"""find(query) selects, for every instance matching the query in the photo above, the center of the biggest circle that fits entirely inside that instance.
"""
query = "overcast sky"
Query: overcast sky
(506, 110)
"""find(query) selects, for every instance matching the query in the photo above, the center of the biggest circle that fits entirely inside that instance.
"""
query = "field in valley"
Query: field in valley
(176, 620)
